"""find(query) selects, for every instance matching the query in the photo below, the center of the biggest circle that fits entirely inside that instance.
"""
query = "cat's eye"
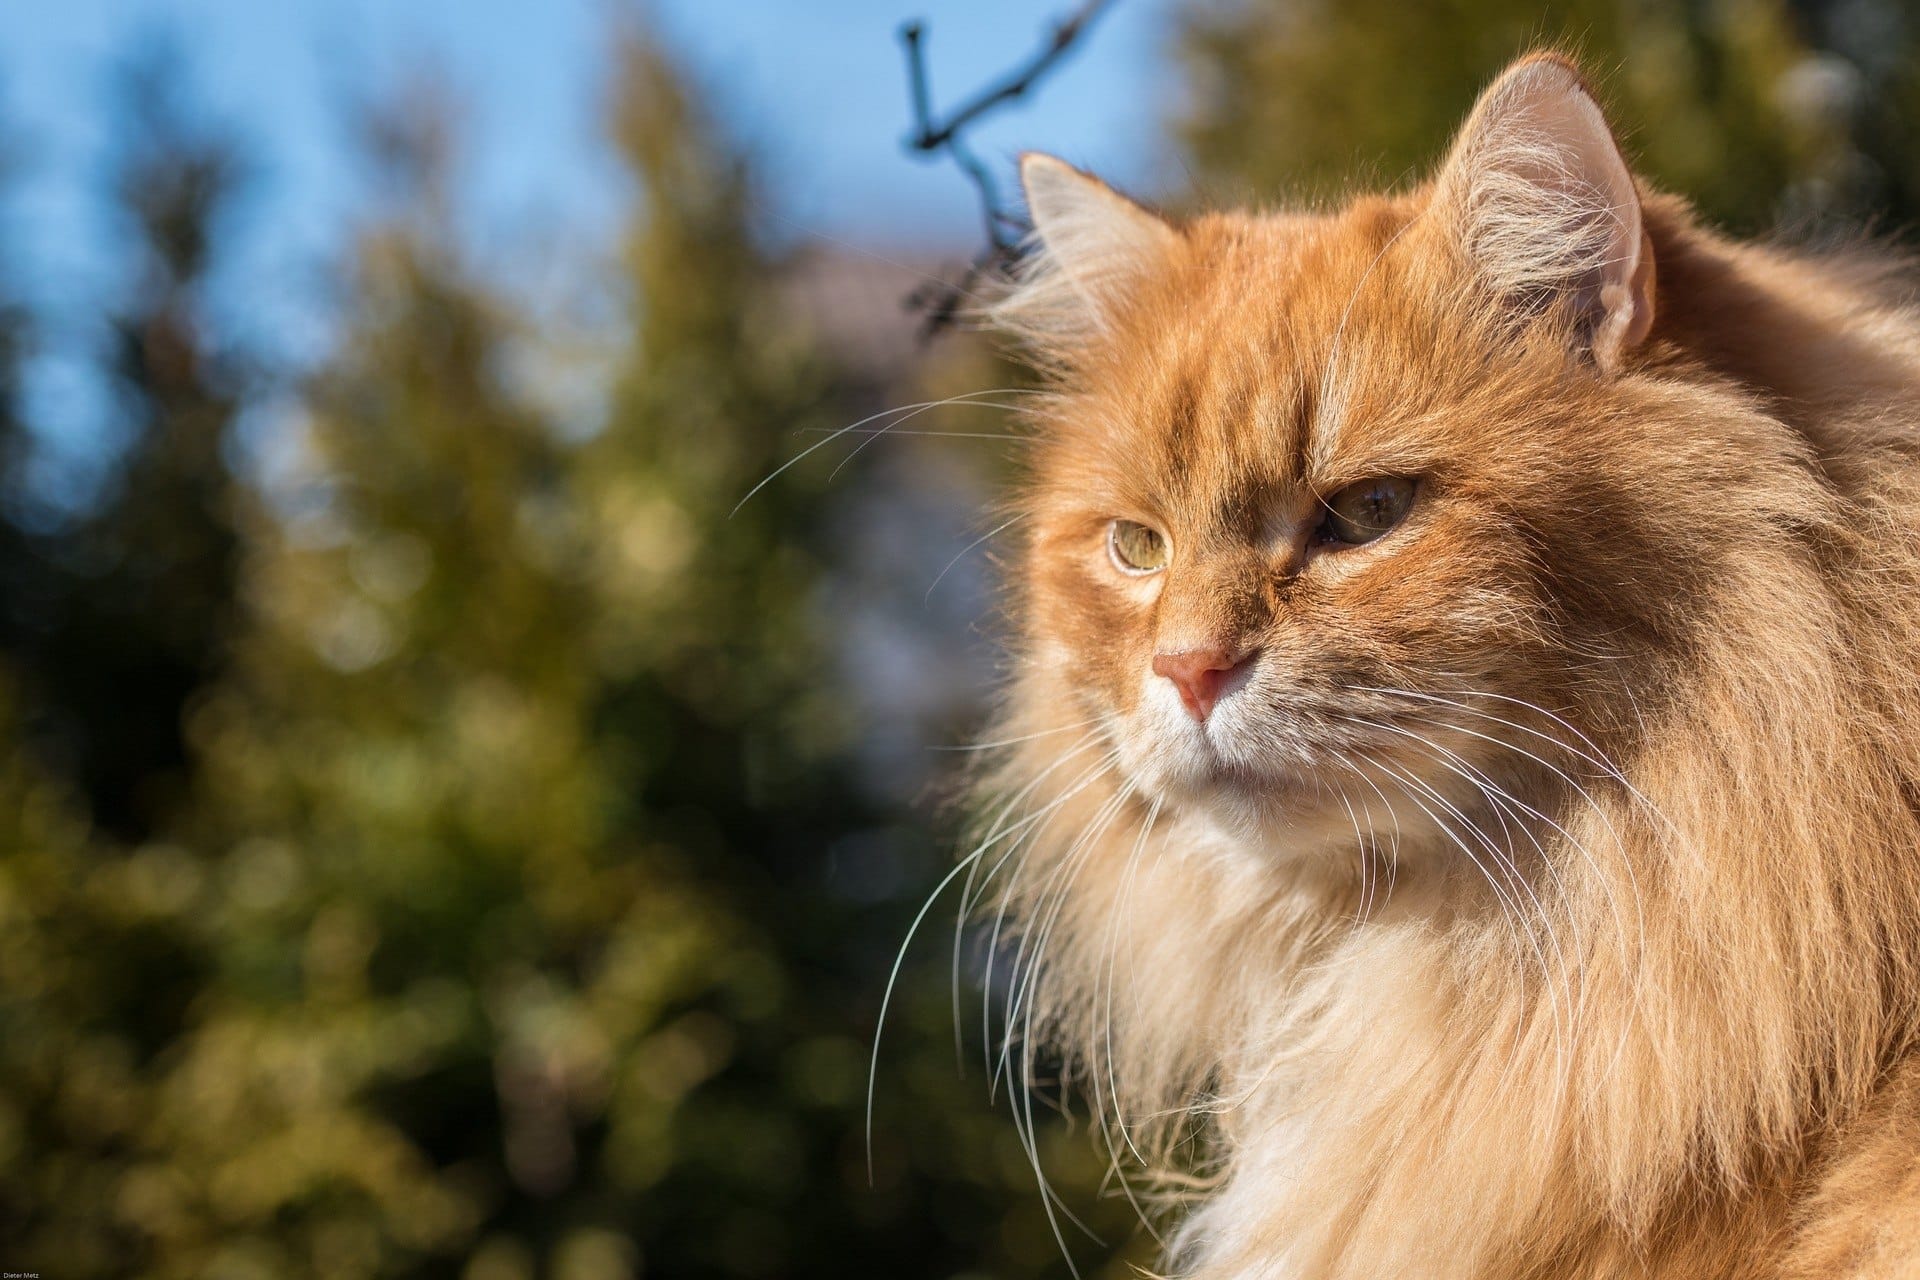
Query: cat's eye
(1362, 512)
(1135, 548)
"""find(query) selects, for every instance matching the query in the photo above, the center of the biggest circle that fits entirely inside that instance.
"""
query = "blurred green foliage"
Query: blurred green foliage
(1767, 113)
(124, 614)
(450, 851)
(427, 863)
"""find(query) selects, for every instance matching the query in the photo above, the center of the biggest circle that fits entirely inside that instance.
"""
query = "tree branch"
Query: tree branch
(1004, 228)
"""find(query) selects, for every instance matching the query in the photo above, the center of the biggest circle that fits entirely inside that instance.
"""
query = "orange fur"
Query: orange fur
(1542, 899)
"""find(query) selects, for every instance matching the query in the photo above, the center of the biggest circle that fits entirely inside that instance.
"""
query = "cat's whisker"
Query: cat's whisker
(1116, 1172)
(1498, 798)
(967, 899)
(1393, 864)
(1085, 779)
(1631, 945)
(1598, 810)
(906, 412)
(889, 428)
(1365, 855)
(1495, 795)
(990, 534)
(1093, 774)
(893, 976)
(998, 823)
(1113, 950)
(1015, 436)
(1052, 898)
(1593, 757)
(1050, 1200)
(1025, 737)
(1590, 752)
(1631, 956)
(1083, 845)
(1510, 905)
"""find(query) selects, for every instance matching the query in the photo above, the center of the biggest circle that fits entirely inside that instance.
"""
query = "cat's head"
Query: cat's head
(1324, 495)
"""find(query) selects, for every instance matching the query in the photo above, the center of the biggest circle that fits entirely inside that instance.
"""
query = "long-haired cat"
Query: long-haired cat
(1456, 796)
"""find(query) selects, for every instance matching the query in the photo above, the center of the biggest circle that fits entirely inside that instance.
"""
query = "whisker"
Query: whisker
(1053, 894)
(1510, 905)
(1029, 737)
(1360, 845)
(1598, 810)
(888, 428)
(886, 998)
(899, 959)
(1592, 754)
(1493, 794)
(1077, 856)
(1113, 949)
(1014, 436)
(967, 890)
(1086, 779)
(994, 532)
(907, 412)
(1597, 758)
(1393, 865)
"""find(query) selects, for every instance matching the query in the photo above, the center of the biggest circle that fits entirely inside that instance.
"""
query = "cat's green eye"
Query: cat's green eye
(1362, 512)
(1135, 548)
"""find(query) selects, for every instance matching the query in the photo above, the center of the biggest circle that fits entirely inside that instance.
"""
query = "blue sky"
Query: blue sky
(817, 88)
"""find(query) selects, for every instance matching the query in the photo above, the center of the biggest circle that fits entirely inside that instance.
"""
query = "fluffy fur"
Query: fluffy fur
(1542, 896)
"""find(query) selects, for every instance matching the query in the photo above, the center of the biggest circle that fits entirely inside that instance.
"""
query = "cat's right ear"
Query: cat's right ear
(1091, 247)
(1547, 210)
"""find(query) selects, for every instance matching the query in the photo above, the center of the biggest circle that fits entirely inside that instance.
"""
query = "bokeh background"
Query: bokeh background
(439, 834)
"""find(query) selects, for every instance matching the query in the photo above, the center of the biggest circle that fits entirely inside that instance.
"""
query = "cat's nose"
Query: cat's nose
(1198, 675)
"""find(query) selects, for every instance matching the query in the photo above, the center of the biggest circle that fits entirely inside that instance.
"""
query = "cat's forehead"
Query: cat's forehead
(1271, 348)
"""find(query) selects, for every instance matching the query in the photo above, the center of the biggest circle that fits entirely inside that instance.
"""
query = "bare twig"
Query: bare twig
(1005, 228)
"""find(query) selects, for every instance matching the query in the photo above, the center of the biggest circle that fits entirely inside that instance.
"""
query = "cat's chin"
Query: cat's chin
(1268, 809)
(1275, 818)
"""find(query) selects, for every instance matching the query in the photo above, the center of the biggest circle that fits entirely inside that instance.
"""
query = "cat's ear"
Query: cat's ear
(1546, 208)
(1091, 247)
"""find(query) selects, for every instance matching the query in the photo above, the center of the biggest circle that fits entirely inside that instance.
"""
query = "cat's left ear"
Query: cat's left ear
(1090, 250)
(1546, 208)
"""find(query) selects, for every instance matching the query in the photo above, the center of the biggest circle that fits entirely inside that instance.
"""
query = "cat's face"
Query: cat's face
(1251, 521)
(1308, 509)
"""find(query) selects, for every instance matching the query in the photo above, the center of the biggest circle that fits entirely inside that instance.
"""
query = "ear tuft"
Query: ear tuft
(1091, 246)
(1547, 209)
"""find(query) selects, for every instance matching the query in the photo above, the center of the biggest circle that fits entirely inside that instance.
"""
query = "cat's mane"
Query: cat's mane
(1651, 1059)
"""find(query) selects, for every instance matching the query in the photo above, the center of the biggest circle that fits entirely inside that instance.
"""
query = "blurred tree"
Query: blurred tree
(724, 691)
(17, 562)
(449, 853)
(1762, 111)
(130, 608)
(527, 917)
(110, 618)
(71, 957)
(1867, 74)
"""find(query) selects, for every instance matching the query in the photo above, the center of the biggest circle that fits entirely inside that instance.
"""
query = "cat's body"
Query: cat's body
(1523, 881)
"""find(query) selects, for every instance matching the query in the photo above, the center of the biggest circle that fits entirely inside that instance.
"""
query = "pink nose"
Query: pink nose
(1198, 675)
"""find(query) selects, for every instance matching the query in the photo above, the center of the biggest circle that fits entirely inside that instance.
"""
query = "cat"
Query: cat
(1453, 806)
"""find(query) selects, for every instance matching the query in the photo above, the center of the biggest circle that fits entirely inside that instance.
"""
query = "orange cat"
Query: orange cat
(1458, 789)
